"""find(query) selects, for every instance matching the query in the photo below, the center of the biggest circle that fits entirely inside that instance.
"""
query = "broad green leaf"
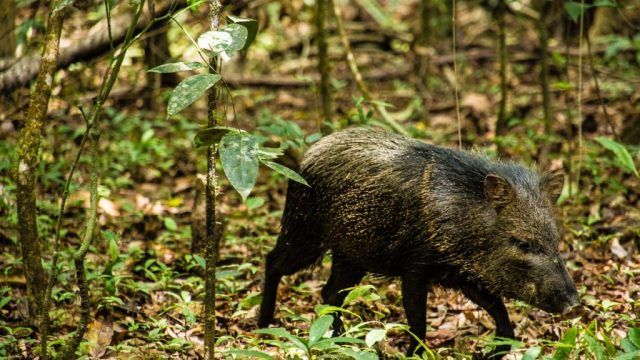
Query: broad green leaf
(280, 332)
(224, 42)
(250, 24)
(189, 90)
(211, 135)
(629, 356)
(621, 152)
(239, 35)
(634, 337)
(249, 354)
(594, 346)
(177, 66)
(532, 353)
(319, 328)
(374, 336)
(283, 170)
(238, 153)
(567, 344)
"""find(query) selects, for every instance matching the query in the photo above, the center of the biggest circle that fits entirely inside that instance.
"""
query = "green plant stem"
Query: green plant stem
(211, 243)
(108, 81)
(501, 125)
(323, 64)
(362, 86)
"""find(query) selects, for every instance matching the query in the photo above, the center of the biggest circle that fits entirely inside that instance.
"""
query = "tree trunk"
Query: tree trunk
(28, 144)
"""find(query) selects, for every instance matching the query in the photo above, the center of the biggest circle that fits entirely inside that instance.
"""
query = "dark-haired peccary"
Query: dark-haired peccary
(394, 206)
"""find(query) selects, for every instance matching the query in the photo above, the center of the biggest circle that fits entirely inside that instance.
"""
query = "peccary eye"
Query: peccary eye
(522, 245)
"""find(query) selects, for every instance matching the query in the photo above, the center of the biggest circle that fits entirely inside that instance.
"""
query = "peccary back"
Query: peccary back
(394, 206)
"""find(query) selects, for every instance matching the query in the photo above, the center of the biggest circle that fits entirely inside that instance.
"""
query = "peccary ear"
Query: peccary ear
(497, 190)
(552, 184)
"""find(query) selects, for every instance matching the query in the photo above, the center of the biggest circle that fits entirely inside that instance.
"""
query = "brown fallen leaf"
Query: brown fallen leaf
(99, 334)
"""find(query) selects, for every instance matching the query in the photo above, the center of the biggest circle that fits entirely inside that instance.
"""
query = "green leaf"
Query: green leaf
(249, 354)
(357, 292)
(339, 340)
(211, 135)
(629, 356)
(269, 153)
(634, 337)
(604, 3)
(250, 24)
(374, 336)
(283, 170)
(319, 328)
(358, 355)
(238, 153)
(567, 344)
(594, 346)
(532, 353)
(225, 42)
(189, 90)
(621, 153)
(176, 67)
(280, 332)
(574, 9)
(170, 224)
(255, 202)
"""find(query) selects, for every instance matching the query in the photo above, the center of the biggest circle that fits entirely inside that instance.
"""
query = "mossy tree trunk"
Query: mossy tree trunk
(27, 159)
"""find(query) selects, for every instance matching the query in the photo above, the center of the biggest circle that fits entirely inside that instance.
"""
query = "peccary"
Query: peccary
(394, 206)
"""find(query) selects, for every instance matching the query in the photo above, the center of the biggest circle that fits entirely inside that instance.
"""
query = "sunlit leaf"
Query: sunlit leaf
(283, 170)
(567, 344)
(594, 346)
(189, 90)
(238, 153)
(621, 153)
(249, 354)
(319, 328)
(177, 66)
(373, 336)
(532, 353)
(250, 24)
(224, 42)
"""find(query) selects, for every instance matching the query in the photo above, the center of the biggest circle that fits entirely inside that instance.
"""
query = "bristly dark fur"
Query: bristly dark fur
(394, 206)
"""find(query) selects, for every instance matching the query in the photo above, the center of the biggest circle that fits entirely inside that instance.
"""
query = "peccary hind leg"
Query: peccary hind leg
(414, 300)
(343, 275)
(284, 259)
(495, 307)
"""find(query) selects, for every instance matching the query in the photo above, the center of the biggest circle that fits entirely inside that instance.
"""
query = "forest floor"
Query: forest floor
(145, 280)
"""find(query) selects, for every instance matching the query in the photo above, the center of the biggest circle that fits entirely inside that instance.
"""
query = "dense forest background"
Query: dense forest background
(124, 234)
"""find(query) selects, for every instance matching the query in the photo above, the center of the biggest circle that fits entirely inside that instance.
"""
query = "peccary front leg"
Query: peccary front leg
(343, 275)
(414, 300)
(495, 307)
